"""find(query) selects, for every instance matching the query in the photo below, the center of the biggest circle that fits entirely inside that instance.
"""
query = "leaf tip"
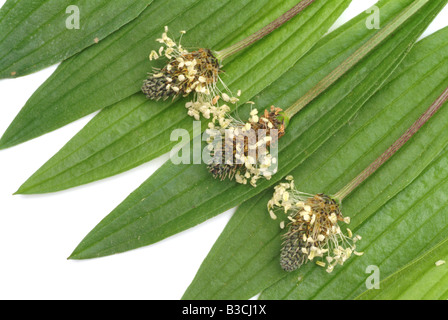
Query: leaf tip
(3, 145)
(23, 190)
(80, 254)
(74, 255)
(6, 142)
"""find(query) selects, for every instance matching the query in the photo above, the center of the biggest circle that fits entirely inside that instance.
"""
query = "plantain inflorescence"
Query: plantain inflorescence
(196, 73)
(312, 229)
(242, 150)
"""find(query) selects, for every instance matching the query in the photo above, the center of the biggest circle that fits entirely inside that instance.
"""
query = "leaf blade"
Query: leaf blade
(35, 36)
(420, 280)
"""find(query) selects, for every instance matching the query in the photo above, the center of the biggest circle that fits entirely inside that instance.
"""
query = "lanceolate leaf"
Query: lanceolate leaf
(245, 259)
(136, 130)
(34, 34)
(423, 279)
(178, 197)
(115, 69)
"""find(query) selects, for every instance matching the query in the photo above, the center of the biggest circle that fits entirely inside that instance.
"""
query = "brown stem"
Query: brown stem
(394, 148)
(225, 53)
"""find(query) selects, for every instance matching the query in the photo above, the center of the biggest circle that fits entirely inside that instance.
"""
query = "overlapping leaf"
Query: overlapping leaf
(114, 69)
(136, 130)
(34, 34)
(245, 259)
(423, 279)
(178, 197)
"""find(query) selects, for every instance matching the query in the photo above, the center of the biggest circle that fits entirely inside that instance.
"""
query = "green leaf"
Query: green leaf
(396, 225)
(136, 130)
(113, 70)
(34, 35)
(420, 280)
(178, 197)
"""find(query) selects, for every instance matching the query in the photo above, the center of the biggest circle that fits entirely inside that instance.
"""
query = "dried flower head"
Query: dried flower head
(241, 150)
(186, 73)
(313, 230)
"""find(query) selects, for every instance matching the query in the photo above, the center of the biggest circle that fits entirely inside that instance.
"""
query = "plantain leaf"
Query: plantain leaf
(423, 279)
(34, 34)
(245, 259)
(136, 130)
(115, 69)
(177, 197)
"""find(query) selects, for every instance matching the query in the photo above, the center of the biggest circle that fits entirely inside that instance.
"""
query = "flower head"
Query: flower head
(313, 230)
(186, 73)
(241, 150)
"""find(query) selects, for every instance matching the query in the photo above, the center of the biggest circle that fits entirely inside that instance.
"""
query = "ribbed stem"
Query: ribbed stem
(394, 148)
(225, 53)
(351, 61)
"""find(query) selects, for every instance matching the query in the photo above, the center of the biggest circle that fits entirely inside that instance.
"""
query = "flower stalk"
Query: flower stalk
(345, 191)
(237, 47)
(351, 61)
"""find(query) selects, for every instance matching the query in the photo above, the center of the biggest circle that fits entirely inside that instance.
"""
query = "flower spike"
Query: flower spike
(186, 73)
(313, 230)
(241, 150)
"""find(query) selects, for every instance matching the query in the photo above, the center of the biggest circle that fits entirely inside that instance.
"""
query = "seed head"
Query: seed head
(240, 150)
(313, 230)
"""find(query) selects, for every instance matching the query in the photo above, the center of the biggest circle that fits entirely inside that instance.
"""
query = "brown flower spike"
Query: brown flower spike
(313, 229)
(241, 151)
(186, 73)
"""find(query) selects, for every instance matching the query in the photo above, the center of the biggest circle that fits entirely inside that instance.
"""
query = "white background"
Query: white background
(38, 233)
